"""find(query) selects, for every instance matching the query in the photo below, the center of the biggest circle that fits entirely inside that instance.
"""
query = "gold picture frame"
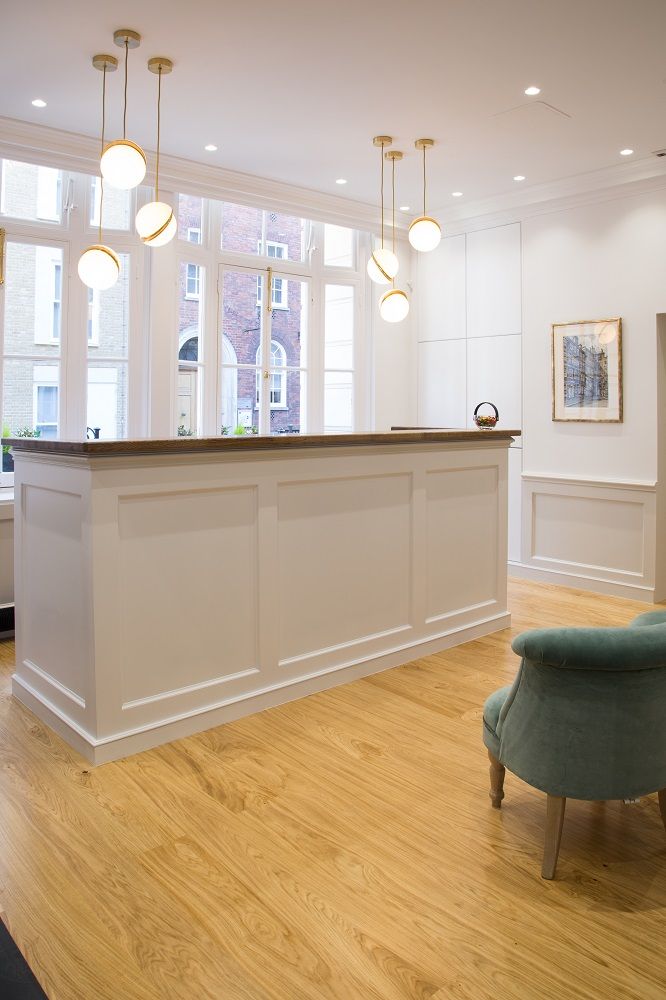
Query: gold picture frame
(586, 358)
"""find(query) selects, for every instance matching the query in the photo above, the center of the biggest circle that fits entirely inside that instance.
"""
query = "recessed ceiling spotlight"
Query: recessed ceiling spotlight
(533, 91)
(519, 177)
(38, 103)
(341, 180)
(404, 208)
(210, 148)
(626, 152)
(456, 194)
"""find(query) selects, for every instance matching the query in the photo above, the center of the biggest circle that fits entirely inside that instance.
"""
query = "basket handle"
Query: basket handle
(487, 403)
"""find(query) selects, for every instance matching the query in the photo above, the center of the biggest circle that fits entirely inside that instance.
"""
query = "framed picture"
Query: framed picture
(587, 371)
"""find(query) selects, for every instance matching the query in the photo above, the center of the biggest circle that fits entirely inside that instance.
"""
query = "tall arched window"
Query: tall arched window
(278, 387)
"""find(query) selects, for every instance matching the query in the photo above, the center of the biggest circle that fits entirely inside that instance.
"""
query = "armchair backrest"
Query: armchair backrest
(586, 715)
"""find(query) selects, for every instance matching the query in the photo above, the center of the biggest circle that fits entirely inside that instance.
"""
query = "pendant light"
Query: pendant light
(99, 265)
(383, 264)
(394, 304)
(123, 163)
(155, 222)
(424, 232)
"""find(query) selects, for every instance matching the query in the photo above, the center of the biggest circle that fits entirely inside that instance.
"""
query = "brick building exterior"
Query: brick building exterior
(249, 231)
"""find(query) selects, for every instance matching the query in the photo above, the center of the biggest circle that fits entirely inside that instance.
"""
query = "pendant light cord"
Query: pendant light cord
(125, 106)
(393, 211)
(157, 162)
(381, 153)
(424, 182)
(101, 180)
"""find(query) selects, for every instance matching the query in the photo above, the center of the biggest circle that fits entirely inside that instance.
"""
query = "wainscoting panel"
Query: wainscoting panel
(189, 560)
(599, 535)
(461, 547)
(353, 585)
(52, 595)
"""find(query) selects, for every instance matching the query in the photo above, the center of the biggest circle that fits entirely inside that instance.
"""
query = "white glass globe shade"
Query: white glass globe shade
(393, 306)
(156, 224)
(383, 266)
(99, 267)
(424, 233)
(123, 164)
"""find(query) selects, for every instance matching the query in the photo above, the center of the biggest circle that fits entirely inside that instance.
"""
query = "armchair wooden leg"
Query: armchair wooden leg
(554, 821)
(662, 806)
(497, 772)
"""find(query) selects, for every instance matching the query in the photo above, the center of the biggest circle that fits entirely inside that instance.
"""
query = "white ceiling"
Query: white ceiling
(295, 91)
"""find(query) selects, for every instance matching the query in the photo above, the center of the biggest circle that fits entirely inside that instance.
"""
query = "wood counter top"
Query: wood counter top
(251, 442)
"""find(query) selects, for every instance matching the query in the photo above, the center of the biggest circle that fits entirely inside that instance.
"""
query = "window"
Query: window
(45, 398)
(339, 358)
(190, 218)
(248, 230)
(339, 245)
(57, 300)
(278, 379)
(30, 192)
(117, 206)
(93, 317)
(276, 251)
(192, 281)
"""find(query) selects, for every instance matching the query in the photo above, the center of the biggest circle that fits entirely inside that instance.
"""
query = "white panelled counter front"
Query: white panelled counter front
(164, 587)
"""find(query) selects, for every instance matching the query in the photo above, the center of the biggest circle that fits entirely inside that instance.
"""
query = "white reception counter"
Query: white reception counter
(164, 587)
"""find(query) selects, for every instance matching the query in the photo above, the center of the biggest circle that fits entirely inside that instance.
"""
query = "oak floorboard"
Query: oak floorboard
(341, 847)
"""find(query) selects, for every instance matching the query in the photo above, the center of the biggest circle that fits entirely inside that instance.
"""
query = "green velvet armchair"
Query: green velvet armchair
(585, 718)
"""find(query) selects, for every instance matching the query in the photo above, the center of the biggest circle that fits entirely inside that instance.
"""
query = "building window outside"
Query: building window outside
(278, 378)
(276, 251)
(194, 234)
(192, 281)
(45, 408)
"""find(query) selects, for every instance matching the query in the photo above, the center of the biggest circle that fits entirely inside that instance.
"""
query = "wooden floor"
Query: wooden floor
(342, 846)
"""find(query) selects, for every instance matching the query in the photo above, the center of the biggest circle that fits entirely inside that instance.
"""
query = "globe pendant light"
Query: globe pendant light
(155, 222)
(99, 265)
(383, 264)
(424, 232)
(394, 304)
(123, 163)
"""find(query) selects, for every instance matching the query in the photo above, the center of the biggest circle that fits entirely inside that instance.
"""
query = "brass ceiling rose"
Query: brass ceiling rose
(105, 62)
(125, 36)
(160, 64)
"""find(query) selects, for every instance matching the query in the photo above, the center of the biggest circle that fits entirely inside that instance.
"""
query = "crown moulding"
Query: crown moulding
(71, 151)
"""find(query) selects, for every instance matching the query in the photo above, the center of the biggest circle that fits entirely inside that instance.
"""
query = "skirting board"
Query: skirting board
(145, 738)
(631, 592)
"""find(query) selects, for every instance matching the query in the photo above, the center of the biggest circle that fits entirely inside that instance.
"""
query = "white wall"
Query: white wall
(589, 492)
(469, 332)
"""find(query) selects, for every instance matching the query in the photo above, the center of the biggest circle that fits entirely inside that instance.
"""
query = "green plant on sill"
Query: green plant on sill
(241, 430)
(183, 431)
